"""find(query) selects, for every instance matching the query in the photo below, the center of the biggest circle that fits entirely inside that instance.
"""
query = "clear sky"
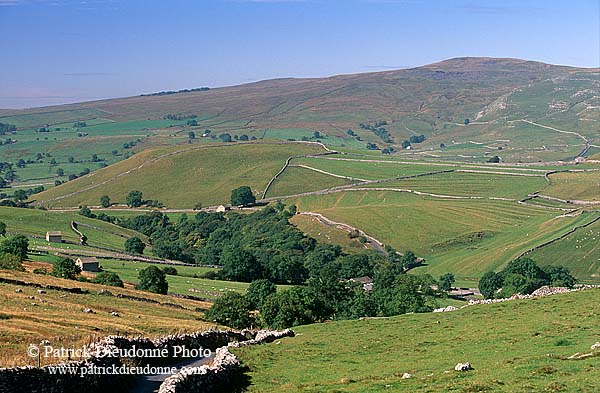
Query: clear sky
(59, 51)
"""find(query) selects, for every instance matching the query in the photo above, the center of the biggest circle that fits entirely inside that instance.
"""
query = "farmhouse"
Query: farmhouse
(54, 236)
(367, 282)
(89, 264)
(222, 208)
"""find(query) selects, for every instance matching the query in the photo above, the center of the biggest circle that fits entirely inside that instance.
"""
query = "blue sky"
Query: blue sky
(59, 51)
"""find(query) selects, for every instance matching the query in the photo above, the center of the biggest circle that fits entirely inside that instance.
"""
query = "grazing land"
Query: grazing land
(517, 346)
(583, 186)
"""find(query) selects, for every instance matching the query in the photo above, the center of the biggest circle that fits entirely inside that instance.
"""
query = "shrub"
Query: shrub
(232, 309)
(66, 268)
(11, 262)
(134, 245)
(16, 245)
(170, 270)
(258, 291)
(152, 279)
(108, 278)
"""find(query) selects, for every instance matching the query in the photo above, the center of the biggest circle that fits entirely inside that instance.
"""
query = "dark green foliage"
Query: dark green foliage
(134, 245)
(232, 309)
(134, 199)
(169, 270)
(445, 282)
(242, 196)
(16, 245)
(152, 279)
(105, 201)
(11, 262)
(2, 228)
(6, 128)
(523, 276)
(86, 212)
(108, 278)
(66, 268)
(494, 160)
(292, 307)
(258, 291)
(417, 138)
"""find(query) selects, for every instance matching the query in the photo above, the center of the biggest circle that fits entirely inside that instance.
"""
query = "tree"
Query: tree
(240, 265)
(445, 282)
(232, 309)
(258, 291)
(170, 270)
(11, 262)
(3, 228)
(86, 212)
(191, 135)
(225, 137)
(288, 308)
(134, 245)
(134, 199)
(20, 195)
(242, 196)
(489, 283)
(94, 157)
(66, 268)
(467, 121)
(108, 278)
(559, 276)
(105, 201)
(16, 245)
(494, 160)
(153, 279)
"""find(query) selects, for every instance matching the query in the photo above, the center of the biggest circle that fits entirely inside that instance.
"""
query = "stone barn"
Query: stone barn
(54, 236)
(89, 264)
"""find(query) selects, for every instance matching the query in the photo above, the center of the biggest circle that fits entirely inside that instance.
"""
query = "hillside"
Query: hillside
(182, 176)
(29, 316)
(518, 346)
(531, 110)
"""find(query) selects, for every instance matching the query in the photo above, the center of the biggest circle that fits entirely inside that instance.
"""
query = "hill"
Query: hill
(57, 315)
(517, 346)
(530, 110)
(181, 176)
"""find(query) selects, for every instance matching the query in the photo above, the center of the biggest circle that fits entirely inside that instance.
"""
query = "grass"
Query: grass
(517, 346)
(580, 252)
(58, 317)
(471, 184)
(578, 186)
(465, 237)
(35, 223)
(188, 175)
(296, 180)
(325, 234)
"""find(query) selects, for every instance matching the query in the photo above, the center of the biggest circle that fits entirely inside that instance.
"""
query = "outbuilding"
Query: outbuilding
(54, 236)
(88, 264)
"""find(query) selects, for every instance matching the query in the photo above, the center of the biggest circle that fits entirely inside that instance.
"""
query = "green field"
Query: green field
(580, 252)
(296, 180)
(188, 175)
(465, 237)
(35, 223)
(519, 346)
(578, 186)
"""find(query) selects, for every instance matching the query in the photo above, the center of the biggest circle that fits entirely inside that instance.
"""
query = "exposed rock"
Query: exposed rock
(41, 291)
(445, 309)
(463, 367)
(88, 311)
(114, 314)
(406, 375)
(18, 290)
(596, 346)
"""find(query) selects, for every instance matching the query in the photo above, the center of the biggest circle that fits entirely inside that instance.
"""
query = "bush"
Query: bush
(258, 291)
(170, 270)
(41, 270)
(153, 279)
(16, 245)
(66, 268)
(134, 245)
(134, 199)
(242, 196)
(232, 309)
(108, 278)
(11, 262)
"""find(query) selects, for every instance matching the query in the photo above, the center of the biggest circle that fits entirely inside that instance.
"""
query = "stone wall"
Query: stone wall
(224, 374)
(48, 379)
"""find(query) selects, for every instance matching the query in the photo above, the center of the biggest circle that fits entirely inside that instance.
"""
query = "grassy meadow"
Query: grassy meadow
(517, 346)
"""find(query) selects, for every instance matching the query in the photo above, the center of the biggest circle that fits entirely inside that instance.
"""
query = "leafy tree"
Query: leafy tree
(445, 282)
(489, 283)
(11, 262)
(559, 276)
(86, 212)
(152, 279)
(225, 137)
(405, 144)
(3, 228)
(108, 278)
(21, 195)
(191, 135)
(16, 245)
(288, 308)
(134, 245)
(467, 121)
(66, 268)
(105, 201)
(240, 265)
(134, 199)
(258, 291)
(232, 309)
(170, 270)
(94, 157)
(494, 160)
(242, 196)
